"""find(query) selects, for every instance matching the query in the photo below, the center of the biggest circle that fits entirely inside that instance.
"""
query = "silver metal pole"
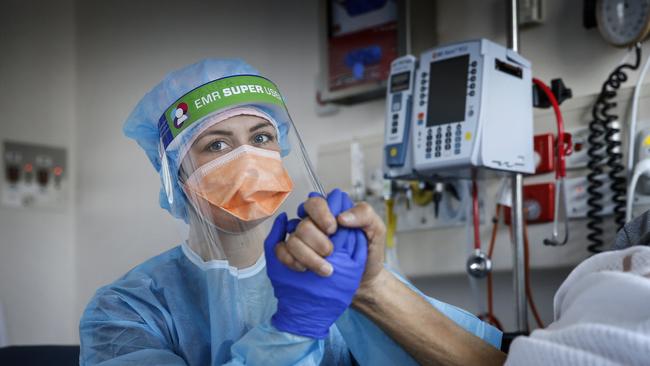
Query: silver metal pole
(519, 272)
(513, 26)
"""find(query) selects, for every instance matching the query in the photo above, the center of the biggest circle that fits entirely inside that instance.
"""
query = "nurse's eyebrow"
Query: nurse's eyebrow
(218, 132)
(258, 126)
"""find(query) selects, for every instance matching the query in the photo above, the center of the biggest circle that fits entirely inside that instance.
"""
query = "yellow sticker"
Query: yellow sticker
(468, 136)
(646, 141)
(393, 152)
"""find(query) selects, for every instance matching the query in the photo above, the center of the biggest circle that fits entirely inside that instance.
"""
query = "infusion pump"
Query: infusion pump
(399, 106)
(459, 107)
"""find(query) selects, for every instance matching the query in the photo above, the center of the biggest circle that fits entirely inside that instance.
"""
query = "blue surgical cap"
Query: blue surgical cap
(142, 123)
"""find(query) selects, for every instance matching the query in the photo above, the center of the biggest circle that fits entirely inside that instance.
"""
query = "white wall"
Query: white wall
(101, 57)
(37, 254)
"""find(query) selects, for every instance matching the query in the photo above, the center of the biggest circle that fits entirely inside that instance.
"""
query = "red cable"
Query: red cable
(529, 292)
(495, 227)
(490, 317)
(475, 215)
(562, 150)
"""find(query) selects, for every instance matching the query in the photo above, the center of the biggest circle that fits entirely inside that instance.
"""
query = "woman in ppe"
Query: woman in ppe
(231, 164)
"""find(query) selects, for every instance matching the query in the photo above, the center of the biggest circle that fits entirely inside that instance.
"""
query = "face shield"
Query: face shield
(232, 159)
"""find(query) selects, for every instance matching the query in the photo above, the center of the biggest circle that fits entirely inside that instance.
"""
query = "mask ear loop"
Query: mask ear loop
(165, 173)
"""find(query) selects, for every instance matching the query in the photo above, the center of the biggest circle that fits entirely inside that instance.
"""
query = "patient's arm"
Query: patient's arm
(426, 334)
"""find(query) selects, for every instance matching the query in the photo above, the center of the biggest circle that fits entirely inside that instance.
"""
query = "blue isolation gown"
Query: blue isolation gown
(176, 309)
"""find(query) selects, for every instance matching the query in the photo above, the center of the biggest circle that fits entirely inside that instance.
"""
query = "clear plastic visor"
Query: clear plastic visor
(238, 168)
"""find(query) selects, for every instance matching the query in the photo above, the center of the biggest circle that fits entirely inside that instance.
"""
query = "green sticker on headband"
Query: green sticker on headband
(217, 95)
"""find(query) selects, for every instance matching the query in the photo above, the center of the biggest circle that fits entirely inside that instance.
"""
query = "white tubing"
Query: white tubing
(642, 168)
(633, 119)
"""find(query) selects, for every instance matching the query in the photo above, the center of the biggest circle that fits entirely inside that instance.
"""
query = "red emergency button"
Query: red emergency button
(420, 115)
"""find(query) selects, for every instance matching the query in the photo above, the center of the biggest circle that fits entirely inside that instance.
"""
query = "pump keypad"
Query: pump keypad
(423, 88)
(448, 141)
(393, 129)
(457, 139)
(471, 89)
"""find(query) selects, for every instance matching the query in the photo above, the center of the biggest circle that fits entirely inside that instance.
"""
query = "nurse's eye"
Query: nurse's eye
(262, 138)
(217, 146)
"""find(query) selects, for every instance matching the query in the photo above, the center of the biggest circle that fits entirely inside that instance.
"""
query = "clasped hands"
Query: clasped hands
(332, 257)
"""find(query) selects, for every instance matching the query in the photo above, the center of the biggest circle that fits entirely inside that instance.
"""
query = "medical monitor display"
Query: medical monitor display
(447, 90)
(399, 82)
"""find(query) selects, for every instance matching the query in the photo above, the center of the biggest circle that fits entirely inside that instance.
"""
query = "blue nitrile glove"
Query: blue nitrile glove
(309, 304)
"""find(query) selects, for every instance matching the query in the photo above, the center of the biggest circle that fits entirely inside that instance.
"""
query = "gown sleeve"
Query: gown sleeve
(265, 345)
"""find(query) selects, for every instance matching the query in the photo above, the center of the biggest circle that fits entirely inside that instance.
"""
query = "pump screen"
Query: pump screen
(447, 90)
(399, 82)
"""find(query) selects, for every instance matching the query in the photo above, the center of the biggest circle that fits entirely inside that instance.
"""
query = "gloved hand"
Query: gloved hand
(309, 304)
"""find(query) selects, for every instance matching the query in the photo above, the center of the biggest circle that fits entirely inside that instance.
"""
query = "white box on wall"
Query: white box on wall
(34, 176)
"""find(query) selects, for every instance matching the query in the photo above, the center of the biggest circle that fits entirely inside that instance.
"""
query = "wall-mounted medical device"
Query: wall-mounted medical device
(399, 106)
(472, 108)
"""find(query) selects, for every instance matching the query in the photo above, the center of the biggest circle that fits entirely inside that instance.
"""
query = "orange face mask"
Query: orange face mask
(249, 183)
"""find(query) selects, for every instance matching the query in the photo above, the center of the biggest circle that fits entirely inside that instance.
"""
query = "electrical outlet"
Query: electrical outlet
(539, 203)
(544, 145)
(576, 193)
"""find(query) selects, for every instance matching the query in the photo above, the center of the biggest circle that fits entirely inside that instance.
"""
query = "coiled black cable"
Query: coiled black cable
(604, 131)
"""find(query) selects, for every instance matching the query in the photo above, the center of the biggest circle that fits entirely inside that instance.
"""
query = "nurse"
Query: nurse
(232, 166)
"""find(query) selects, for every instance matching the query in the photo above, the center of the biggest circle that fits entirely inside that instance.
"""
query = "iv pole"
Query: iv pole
(518, 269)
